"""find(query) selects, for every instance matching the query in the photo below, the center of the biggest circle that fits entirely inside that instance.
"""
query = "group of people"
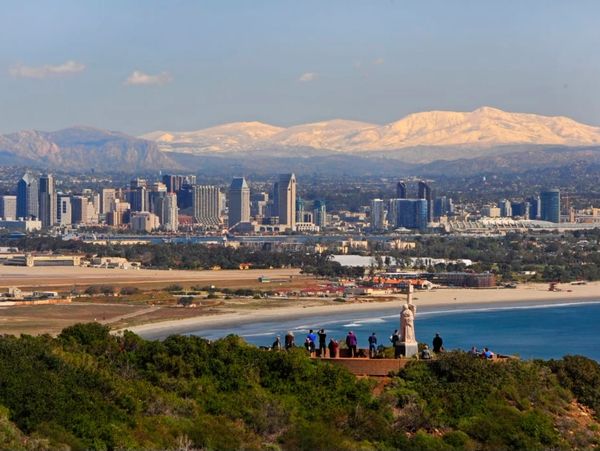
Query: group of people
(316, 344)
(485, 353)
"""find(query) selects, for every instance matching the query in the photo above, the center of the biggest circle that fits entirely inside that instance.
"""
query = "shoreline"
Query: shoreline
(451, 299)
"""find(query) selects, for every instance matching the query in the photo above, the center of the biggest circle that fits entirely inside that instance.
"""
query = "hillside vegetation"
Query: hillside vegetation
(88, 389)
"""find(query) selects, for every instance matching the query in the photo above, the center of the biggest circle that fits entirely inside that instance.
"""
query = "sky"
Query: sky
(139, 66)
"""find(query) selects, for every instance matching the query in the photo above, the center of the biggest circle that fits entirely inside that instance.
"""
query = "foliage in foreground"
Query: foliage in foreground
(88, 389)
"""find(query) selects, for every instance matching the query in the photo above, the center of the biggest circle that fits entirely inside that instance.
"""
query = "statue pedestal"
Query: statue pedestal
(407, 349)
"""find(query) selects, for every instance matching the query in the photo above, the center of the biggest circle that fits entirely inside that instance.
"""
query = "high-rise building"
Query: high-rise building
(300, 209)
(172, 182)
(206, 205)
(377, 214)
(412, 213)
(138, 195)
(320, 213)
(8, 207)
(393, 210)
(286, 200)
(79, 210)
(426, 193)
(64, 214)
(520, 209)
(239, 201)
(535, 208)
(505, 208)
(47, 200)
(550, 205)
(258, 204)
(107, 200)
(28, 197)
(401, 190)
(442, 206)
(167, 212)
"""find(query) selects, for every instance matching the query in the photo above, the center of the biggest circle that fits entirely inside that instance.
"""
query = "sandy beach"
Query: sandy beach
(450, 298)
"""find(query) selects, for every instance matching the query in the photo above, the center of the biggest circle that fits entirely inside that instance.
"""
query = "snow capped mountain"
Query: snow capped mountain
(483, 128)
(222, 138)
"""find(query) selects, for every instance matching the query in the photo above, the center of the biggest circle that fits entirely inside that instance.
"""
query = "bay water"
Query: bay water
(541, 330)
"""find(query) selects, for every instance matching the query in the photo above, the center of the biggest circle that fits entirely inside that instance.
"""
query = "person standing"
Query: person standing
(395, 339)
(289, 340)
(438, 343)
(322, 343)
(311, 341)
(372, 345)
(276, 344)
(352, 343)
(333, 348)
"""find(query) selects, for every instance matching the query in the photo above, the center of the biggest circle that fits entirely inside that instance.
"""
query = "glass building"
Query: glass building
(550, 205)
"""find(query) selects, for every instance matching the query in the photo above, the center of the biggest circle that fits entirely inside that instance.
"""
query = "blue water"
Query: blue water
(535, 331)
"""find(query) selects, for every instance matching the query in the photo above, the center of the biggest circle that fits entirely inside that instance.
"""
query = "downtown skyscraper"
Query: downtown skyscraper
(47, 200)
(286, 200)
(28, 197)
(239, 201)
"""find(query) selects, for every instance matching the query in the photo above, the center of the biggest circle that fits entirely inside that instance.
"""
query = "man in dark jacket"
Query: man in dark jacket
(438, 343)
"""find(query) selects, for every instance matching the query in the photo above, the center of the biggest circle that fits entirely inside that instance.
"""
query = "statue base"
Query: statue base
(407, 349)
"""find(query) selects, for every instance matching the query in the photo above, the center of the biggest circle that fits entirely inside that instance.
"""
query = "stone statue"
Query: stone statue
(407, 324)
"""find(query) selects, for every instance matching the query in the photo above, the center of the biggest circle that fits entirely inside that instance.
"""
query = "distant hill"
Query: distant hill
(82, 148)
(436, 142)
(440, 134)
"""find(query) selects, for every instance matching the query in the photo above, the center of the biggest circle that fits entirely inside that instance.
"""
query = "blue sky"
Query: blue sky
(139, 66)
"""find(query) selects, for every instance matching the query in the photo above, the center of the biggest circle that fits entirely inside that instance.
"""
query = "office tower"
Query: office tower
(79, 210)
(119, 214)
(426, 193)
(8, 207)
(64, 214)
(401, 190)
(520, 209)
(157, 191)
(107, 200)
(550, 205)
(167, 211)
(239, 201)
(185, 195)
(172, 182)
(412, 213)
(535, 209)
(286, 200)
(300, 209)
(442, 206)
(138, 195)
(392, 212)
(377, 214)
(205, 200)
(258, 204)
(320, 213)
(28, 197)
(274, 206)
(47, 200)
(505, 208)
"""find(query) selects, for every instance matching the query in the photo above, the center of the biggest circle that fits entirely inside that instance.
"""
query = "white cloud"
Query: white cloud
(379, 61)
(40, 72)
(308, 76)
(138, 78)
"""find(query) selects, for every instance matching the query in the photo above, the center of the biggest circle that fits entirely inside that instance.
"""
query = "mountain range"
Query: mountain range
(486, 138)
(483, 128)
